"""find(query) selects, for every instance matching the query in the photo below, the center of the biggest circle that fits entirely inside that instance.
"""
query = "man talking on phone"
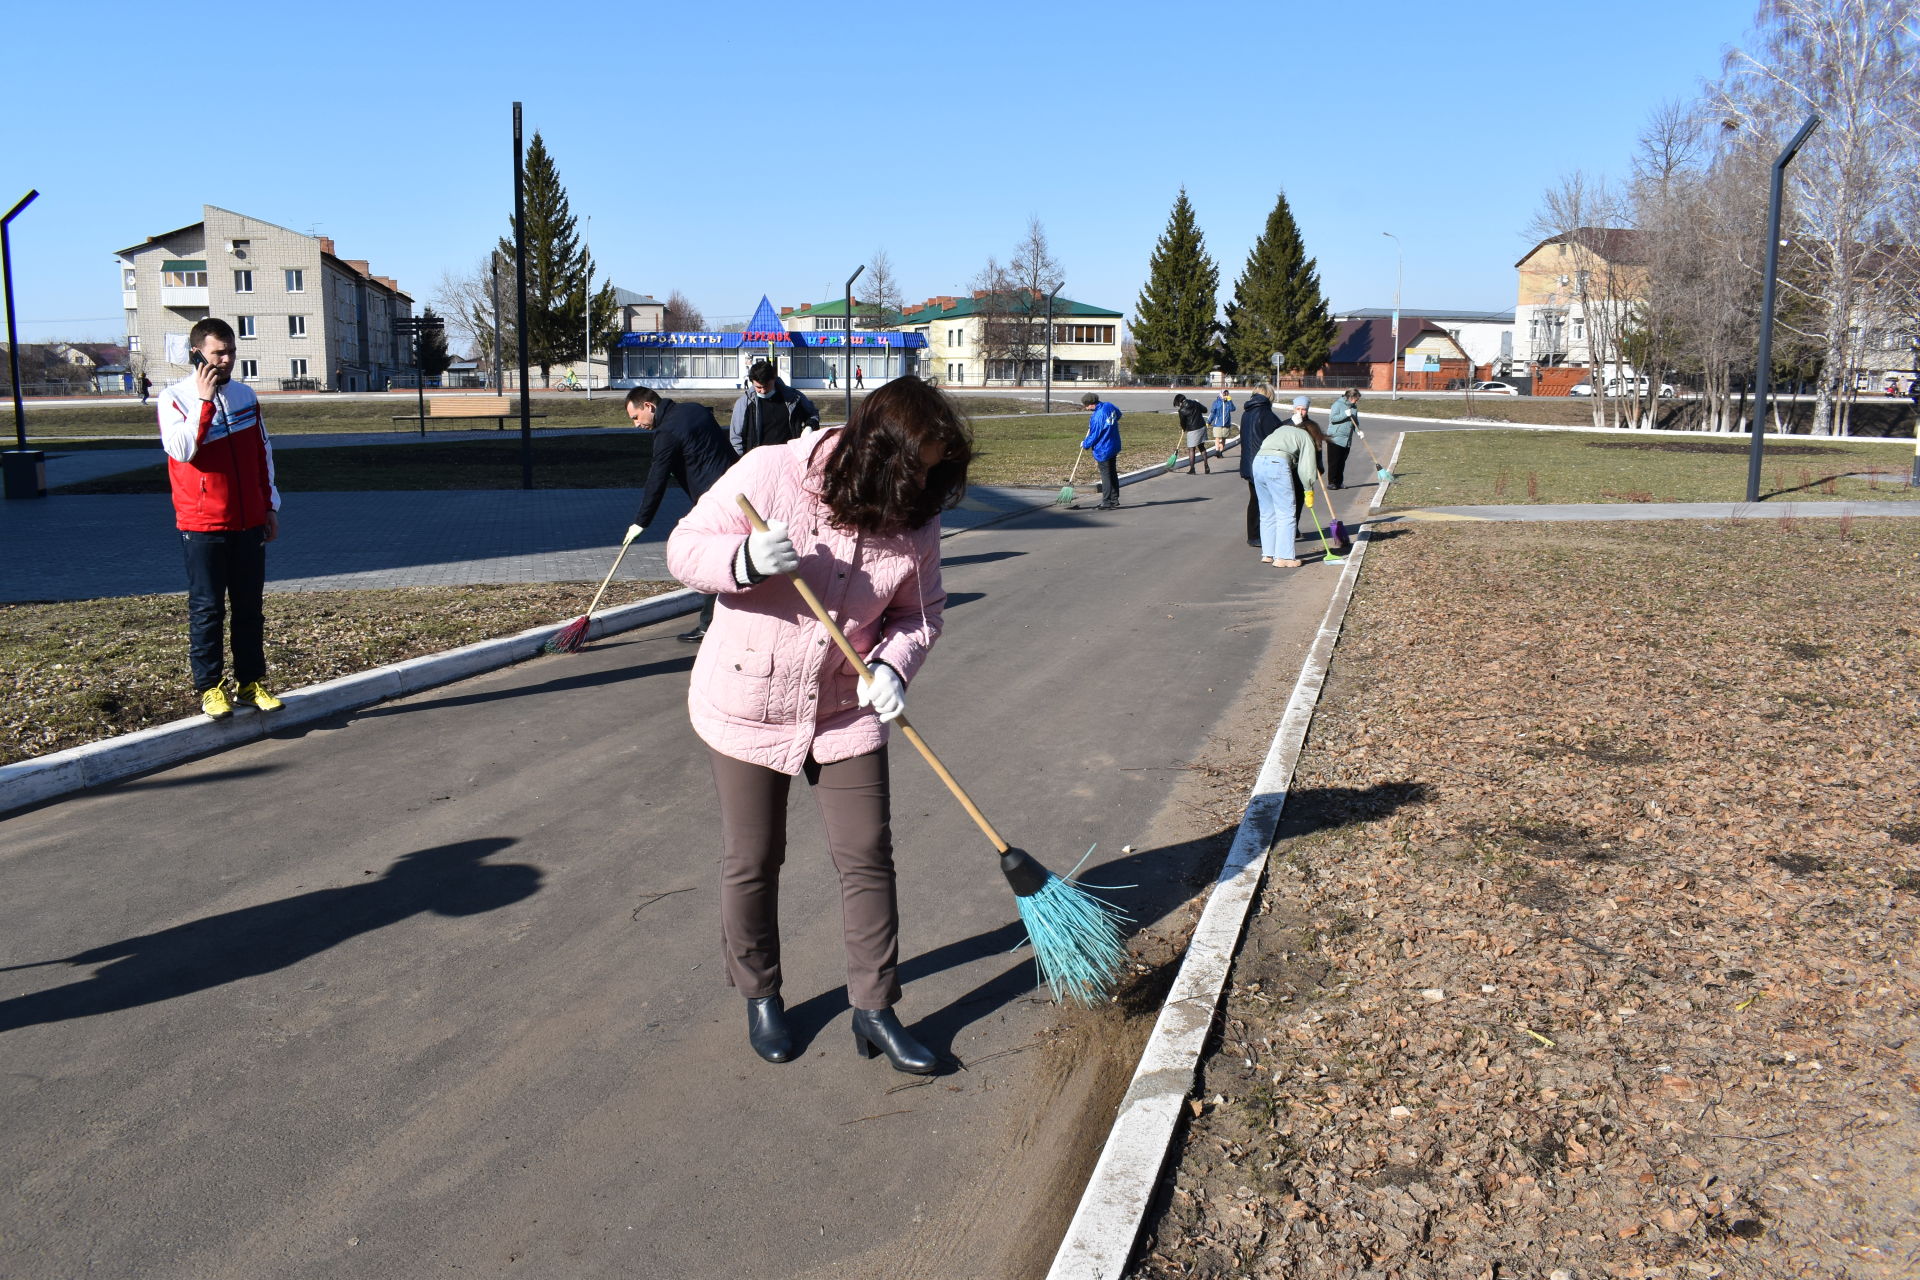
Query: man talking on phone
(220, 468)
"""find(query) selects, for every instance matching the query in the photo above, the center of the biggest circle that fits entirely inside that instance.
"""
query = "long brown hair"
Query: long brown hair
(871, 482)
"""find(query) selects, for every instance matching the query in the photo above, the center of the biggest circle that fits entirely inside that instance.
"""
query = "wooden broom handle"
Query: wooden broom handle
(866, 674)
(608, 580)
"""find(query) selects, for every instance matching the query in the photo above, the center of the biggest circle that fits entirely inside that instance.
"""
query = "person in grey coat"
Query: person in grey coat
(770, 412)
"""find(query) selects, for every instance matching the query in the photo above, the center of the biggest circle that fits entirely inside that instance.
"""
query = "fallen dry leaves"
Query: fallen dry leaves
(1589, 948)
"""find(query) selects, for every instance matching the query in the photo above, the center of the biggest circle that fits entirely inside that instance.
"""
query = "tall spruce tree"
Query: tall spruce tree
(558, 271)
(1173, 320)
(1277, 303)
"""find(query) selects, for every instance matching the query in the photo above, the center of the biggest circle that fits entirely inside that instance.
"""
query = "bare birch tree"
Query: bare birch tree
(1588, 218)
(1851, 62)
(880, 290)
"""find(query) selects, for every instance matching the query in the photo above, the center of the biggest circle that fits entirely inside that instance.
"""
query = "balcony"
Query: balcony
(179, 296)
(130, 299)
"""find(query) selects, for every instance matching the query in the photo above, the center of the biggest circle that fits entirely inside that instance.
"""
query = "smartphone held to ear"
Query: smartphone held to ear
(197, 358)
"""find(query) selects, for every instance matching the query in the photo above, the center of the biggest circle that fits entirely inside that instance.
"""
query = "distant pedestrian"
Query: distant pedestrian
(859, 378)
(1193, 431)
(1256, 421)
(1220, 419)
(833, 375)
(1341, 424)
(771, 412)
(1287, 464)
(146, 388)
(1103, 441)
(220, 470)
(690, 450)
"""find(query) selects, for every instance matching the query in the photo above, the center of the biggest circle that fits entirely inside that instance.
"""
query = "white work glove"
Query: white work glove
(772, 552)
(633, 531)
(886, 693)
(808, 433)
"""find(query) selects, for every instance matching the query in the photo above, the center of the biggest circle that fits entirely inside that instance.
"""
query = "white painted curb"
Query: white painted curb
(1101, 1237)
(44, 778)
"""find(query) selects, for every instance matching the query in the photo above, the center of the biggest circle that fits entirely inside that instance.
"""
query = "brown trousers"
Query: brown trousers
(853, 799)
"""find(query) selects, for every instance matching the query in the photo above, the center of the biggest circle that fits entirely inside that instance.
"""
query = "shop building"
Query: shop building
(808, 357)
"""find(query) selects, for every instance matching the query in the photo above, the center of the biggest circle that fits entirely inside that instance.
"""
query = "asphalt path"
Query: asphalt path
(435, 987)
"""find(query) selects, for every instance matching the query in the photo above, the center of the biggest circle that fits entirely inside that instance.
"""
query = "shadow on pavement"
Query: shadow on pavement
(1150, 885)
(447, 880)
(216, 775)
(562, 684)
(985, 557)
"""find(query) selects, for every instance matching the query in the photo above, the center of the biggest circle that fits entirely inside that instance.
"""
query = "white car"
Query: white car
(1496, 388)
(1580, 389)
(1635, 387)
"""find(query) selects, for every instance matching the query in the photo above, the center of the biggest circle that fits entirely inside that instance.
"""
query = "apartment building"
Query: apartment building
(305, 318)
(963, 349)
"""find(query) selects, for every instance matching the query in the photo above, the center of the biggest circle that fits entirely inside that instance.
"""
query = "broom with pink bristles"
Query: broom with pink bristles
(572, 638)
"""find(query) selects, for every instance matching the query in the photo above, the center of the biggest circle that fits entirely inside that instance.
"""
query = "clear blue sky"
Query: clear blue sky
(731, 151)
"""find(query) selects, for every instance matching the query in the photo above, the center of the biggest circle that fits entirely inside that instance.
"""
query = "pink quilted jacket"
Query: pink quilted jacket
(769, 686)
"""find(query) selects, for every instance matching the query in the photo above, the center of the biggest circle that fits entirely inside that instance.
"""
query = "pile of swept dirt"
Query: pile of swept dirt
(1589, 946)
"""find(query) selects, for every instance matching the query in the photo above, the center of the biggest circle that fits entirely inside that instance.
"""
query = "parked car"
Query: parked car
(1580, 389)
(1496, 388)
(1635, 387)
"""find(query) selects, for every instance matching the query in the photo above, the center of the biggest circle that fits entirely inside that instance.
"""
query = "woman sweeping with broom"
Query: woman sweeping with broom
(854, 513)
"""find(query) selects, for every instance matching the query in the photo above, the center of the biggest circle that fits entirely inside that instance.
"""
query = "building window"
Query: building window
(243, 282)
(249, 370)
(1090, 333)
(296, 326)
(1579, 328)
(245, 327)
(184, 279)
(297, 368)
(296, 280)
(128, 278)
(133, 342)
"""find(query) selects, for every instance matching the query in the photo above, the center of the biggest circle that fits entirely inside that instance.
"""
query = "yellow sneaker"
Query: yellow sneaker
(255, 694)
(214, 702)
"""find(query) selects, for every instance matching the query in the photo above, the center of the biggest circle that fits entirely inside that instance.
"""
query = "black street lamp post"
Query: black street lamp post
(1765, 372)
(846, 354)
(25, 470)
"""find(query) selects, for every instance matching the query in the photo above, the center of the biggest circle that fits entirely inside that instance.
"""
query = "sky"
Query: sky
(731, 152)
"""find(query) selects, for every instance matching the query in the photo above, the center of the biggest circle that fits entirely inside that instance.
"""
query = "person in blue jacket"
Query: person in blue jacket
(1103, 441)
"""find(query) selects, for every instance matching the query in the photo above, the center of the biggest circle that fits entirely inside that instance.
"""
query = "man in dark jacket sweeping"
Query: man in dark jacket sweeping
(771, 412)
(1257, 421)
(690, 449)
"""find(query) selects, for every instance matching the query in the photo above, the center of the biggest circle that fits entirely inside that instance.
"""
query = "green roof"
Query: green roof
(838, 307)
(1062, 307)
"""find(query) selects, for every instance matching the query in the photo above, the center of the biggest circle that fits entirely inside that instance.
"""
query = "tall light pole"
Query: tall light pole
(586, 306)
(1766, 308)
(25, 469)
(1399, 272)
(846, 352)
(1050, 297)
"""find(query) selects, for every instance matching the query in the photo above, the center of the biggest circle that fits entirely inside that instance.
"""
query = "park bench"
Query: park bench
(499, 408)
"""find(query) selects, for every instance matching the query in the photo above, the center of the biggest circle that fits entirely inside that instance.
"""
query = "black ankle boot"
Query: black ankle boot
(767, 1029)
(879, 1030)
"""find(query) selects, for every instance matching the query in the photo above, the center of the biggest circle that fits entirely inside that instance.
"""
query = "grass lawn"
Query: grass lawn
(1587, 944)
(1036, 449)
(1474, 468)
(288, 415)
(78, 671)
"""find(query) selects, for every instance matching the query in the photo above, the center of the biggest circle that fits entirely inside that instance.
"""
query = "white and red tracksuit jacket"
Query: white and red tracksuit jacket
(219, 460)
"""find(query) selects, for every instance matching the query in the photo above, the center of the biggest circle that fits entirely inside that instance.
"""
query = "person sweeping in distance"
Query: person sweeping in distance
(1103, 442)
(1287, 463)
(855, 511)
(690, 450)
(1193, 432)
(1220, 419)
(1342, 420)
(1256, 423)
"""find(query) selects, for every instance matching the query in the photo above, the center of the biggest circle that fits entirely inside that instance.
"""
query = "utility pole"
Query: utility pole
(846, 354)
(1399, 271)
(25, 469)
(1766, 307)
(1050, 297)
(520, 308)
(586, 307)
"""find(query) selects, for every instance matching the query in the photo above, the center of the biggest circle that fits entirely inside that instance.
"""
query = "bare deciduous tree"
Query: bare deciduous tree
(681, 316)
(1852, 63)
(1601, 266)
(880, 290)
(1012, 298)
